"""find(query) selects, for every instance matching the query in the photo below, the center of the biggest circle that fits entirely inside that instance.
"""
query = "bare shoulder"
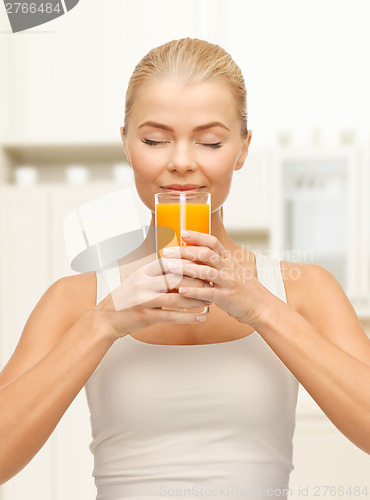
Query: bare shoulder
(78, 293)
(66, 300)
(308, 285)
(63, 303)
(318, 296)
(301, 281)
(58, 309)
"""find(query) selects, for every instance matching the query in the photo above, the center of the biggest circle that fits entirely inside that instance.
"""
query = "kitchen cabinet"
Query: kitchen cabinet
(364, 225)
(326, 463)
(32, 257)
(64, 87)
(24, 258)
(24, 271)
(248, 206)
(316, 211)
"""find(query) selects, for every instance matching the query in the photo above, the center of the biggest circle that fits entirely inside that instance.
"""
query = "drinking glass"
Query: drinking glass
(175, 212)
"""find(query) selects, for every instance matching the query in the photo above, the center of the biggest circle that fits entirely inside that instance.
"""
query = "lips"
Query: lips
(182, 187)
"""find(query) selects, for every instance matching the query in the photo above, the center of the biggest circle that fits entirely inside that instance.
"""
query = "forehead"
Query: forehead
(176, 104)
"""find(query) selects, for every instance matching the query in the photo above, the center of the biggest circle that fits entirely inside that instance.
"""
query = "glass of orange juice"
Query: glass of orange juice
(175, 212)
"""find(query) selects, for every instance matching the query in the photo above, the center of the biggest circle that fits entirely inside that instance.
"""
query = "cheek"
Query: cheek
(145, 163)
(222, 167)
(221, 172)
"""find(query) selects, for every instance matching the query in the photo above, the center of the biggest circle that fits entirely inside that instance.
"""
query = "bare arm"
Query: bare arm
(34, 395)
(317, 334)
(64, 339)
(326, 349)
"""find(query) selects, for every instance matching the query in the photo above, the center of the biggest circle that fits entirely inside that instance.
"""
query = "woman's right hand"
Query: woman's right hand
(136, 303)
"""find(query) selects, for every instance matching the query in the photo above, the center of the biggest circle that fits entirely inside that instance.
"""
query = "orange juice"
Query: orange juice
(175, 212)
(180, 216)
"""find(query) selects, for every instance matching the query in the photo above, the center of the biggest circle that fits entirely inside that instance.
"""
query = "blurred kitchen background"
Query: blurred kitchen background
(302, 194)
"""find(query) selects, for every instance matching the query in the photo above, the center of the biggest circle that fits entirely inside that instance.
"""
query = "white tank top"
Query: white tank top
(193, 421)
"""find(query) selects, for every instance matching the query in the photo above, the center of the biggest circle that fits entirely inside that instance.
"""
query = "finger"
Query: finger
(206, 240)
(205, 294)
(150, 299)
(158, 267)
(154, 268)
(162, 285)
(177, 317)
(166, 280)
(187, 268)
(198, 254)
(174, 299)
(195, 282)
(171, 272)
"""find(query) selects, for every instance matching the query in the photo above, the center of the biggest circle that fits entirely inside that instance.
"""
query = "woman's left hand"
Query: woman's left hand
(235, 289)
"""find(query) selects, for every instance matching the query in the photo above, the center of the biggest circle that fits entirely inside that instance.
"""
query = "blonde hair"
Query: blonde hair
(189, 60)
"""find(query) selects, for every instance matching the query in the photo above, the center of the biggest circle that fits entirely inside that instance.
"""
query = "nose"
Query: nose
(181, 160)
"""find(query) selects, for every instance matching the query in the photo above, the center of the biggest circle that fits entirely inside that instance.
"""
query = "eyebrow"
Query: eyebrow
(196, 129)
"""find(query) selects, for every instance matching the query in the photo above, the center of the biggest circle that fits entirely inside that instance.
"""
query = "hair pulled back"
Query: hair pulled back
(189, 60)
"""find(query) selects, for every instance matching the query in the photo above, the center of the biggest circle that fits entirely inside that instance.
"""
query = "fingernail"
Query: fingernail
(200, 318)
(185, 234)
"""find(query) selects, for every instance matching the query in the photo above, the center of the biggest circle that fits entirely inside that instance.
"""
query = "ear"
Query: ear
(244, 152)
(123, 137)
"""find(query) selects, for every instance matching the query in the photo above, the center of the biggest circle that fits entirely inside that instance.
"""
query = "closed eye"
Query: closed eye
(214, 145)
(152, 143)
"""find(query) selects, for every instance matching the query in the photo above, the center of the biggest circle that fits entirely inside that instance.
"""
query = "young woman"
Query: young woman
(178, 405)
